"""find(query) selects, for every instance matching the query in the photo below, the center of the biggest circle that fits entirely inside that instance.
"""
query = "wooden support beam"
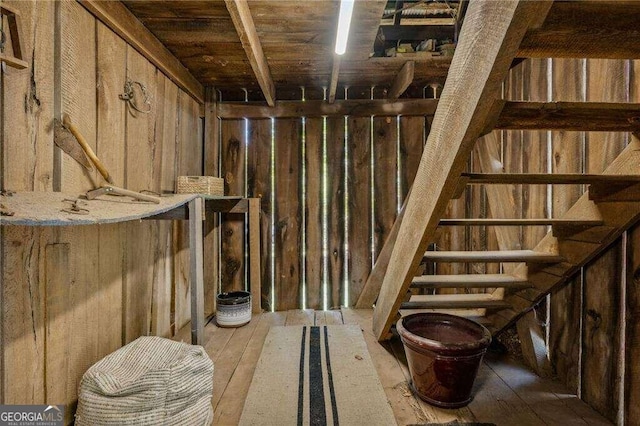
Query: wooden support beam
(571, 30)
(472, 87)
(246, 29)
(528, 256)
(339, 108)
(120, 20)
(548, 178)
(402, 81)
(470, 281)
(196, 276)
(255, 283)
(578, 116)
(335, 74)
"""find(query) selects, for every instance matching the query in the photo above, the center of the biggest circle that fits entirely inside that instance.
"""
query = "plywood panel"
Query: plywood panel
(360, 205)
(313, 211)
(288, 135)
(233, 152)
(259, 178)
(336, 211)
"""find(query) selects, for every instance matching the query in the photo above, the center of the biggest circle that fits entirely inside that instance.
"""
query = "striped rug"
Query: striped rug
(316, 375)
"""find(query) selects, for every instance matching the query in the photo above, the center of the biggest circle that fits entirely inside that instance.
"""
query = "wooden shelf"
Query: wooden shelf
(46, 208)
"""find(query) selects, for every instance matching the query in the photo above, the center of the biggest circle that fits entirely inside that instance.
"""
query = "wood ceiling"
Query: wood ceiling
(297, 39)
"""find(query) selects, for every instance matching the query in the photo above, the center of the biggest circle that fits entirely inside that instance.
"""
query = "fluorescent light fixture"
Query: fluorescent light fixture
(344, 21)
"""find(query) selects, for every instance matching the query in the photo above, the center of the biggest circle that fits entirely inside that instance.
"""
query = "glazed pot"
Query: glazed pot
(444, 353)
(234, 309)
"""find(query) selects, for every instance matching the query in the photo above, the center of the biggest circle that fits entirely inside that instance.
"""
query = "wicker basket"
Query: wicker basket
(207, 185)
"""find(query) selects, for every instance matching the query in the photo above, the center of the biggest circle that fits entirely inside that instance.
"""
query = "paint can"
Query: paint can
(234, 309)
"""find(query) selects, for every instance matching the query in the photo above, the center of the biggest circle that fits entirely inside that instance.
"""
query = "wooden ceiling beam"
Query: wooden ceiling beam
(578, 116)
(473, 86)
(246, 29)
(586, 29)
(317, 108)
(515, 115)
(120, 20)
(402, 81)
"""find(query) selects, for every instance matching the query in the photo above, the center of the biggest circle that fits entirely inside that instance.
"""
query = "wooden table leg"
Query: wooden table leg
(254, 255)
(196, 270)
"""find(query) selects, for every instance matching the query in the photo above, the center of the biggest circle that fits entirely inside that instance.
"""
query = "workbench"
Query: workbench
(46, 209)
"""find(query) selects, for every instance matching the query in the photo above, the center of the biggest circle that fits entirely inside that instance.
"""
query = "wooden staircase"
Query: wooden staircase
(471, 96)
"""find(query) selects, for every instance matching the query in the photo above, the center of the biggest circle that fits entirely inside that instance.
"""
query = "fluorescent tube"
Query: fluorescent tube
(344, 21)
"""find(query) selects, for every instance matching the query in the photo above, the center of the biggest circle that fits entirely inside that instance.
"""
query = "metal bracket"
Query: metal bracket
(17, 60)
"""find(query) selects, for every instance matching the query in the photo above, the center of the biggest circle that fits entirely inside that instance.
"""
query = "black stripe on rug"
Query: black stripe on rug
(332, 392)
(317, 410)
(301, 378)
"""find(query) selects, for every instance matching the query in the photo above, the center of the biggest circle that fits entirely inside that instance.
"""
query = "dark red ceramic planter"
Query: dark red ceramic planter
(444, 353)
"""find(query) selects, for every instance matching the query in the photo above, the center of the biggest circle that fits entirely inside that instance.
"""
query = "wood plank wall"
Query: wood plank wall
(331, 185)
(68, 295)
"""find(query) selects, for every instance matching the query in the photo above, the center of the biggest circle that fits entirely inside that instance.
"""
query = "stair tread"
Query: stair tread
(518, 222)
(546, 178)
(456, 304)
(530, 256)
(470, 281)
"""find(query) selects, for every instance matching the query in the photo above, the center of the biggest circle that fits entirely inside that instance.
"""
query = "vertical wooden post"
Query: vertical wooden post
(196, 270)
(254, 255)
(212, 228)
